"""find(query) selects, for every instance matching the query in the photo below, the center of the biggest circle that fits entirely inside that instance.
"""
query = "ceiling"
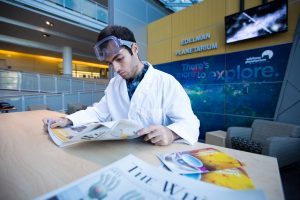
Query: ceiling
(25, 28)
(103, 3)
(30, 26)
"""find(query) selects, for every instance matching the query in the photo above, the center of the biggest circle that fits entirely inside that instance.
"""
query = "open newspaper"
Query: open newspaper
(209, 165)
(132, 178)
(112, 130)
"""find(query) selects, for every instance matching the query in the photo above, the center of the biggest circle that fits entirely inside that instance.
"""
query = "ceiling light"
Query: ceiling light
(46, 35)
(49, 23)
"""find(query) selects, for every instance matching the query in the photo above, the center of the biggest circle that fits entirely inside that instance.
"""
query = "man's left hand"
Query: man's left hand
(158, 135)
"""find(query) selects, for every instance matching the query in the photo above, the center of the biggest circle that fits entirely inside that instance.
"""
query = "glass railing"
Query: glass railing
(86, 7)
(35, 82)
(22, 90)
(56, 102)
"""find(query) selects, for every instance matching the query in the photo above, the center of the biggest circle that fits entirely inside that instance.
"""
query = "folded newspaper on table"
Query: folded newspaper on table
(132, 178)
(209, 165)
(112, 130)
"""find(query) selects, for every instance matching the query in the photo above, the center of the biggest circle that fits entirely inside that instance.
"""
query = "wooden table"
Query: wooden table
(31, 164)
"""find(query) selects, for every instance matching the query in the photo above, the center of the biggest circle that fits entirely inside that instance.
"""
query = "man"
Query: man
(152, 98)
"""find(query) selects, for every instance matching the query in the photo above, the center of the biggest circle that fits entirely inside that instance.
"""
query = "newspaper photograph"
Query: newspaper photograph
(209, 165)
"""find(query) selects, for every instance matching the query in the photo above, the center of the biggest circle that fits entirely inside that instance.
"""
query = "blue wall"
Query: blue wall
(232, 89)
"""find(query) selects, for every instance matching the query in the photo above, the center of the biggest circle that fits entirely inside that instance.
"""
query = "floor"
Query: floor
(290, 177)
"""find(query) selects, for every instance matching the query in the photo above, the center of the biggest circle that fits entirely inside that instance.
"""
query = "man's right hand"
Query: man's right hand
(56, 122)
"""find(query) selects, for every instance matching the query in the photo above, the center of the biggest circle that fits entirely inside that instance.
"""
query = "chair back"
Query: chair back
(263, 129)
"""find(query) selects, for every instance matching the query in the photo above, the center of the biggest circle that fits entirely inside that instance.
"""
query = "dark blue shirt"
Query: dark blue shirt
(133, 83)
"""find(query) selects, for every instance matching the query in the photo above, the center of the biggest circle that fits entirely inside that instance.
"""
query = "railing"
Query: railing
(57, 102)
(87, 14)
(54, 91)
(86, 7)
(35, 82)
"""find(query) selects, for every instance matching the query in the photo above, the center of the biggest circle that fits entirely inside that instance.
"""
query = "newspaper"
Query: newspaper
(112, 130)
(132, 178)
(209, 165)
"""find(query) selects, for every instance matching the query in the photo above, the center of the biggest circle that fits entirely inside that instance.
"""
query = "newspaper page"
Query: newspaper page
(112, 130)
(132, 178)
(209, 165)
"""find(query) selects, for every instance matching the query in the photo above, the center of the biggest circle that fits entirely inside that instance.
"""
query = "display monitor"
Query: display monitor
(260, 21)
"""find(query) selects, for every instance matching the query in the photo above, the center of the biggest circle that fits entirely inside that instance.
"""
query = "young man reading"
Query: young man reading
(152, 98)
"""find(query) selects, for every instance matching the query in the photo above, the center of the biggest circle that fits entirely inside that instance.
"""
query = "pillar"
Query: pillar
(67, 57)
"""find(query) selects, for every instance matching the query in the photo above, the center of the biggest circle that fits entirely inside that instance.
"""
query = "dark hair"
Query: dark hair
(119, 32)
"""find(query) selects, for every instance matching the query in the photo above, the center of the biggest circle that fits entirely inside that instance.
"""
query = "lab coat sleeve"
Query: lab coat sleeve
(98, 112)
(178, 109)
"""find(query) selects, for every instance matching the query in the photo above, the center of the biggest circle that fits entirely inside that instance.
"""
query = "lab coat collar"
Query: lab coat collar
(145, 84)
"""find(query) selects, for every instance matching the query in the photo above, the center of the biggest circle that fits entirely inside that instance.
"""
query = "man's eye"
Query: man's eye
(119, 59)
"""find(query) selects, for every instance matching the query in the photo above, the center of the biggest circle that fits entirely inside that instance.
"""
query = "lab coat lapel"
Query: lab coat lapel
(124, 93)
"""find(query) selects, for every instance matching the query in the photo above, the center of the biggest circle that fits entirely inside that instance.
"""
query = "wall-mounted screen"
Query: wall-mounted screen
(259, 21)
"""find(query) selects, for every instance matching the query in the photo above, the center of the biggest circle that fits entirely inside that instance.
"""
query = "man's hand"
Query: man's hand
(158, 135)
(56, 122)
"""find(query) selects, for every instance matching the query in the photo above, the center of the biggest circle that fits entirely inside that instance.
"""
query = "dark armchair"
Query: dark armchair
(280, 140)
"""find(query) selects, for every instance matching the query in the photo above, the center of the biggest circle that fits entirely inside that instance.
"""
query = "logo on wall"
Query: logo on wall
(199, 48)
(265, 57)
(263, 64)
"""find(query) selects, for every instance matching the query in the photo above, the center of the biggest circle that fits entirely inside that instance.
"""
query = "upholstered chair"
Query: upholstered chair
(277, 139)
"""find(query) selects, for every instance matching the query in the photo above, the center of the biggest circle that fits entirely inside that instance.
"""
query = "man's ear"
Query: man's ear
(135, 48)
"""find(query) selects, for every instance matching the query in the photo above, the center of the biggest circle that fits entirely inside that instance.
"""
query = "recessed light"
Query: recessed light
(46, 35)
(49, 23)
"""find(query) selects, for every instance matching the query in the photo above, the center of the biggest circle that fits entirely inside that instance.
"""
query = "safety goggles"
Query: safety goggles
(109, 46)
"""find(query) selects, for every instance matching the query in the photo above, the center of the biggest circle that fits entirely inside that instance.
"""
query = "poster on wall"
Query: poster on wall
(232, 89)
(253, 83)
(202, 80)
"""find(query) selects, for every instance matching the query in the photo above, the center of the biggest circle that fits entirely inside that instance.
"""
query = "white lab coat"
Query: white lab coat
(158, 99)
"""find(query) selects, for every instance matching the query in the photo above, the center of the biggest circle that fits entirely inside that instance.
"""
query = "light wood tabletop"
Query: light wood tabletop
(31, 164)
